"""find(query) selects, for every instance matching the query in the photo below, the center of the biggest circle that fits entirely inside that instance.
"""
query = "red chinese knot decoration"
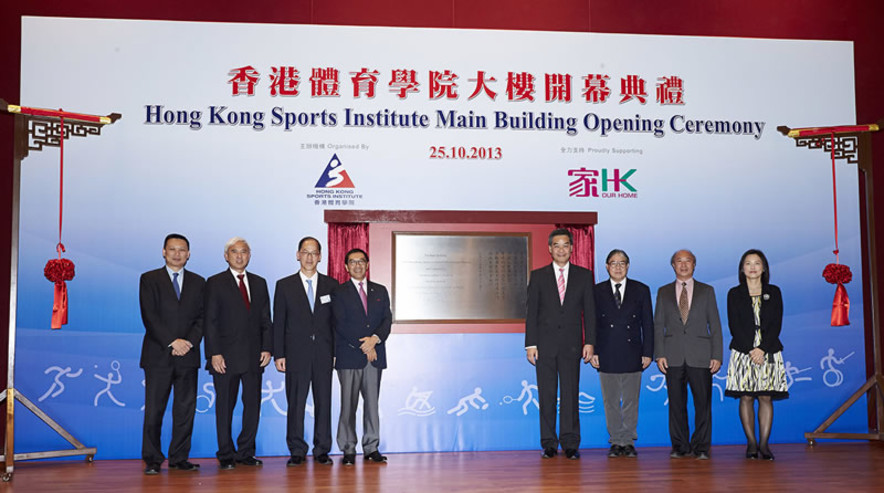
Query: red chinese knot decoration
(839, 274)
(58, 271)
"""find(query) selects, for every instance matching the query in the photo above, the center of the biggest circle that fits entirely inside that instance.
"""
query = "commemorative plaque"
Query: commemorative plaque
(460, 277)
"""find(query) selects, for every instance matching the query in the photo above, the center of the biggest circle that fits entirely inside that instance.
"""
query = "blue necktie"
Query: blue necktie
(311, 297)
(175, 284)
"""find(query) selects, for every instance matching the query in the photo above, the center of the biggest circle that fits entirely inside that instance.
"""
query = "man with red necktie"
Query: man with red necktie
(238, 333)
(559, 332)
(362, 324)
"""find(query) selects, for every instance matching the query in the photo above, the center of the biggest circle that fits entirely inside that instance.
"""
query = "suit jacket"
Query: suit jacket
(696, 342)
(555, 326)
(238, 333)
(298, 332)
(167, 318)
(741, 318)
(352, 324)
(625, 334)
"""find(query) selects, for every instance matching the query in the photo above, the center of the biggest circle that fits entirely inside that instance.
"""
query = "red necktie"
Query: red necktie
(363, 297)
(561, 283)
(242, 290)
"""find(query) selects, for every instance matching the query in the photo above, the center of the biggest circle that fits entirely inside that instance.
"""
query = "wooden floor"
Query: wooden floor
(855, 466)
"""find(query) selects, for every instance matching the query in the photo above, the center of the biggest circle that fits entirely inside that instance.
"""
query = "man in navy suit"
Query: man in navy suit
(559, 331)
(171, 301)
(303, 349)
(362, 324)
(624, 348)
(238, 347)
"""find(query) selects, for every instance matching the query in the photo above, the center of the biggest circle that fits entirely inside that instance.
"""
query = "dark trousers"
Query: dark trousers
(700, 380)
(226, 391)
(317, 374)
(554, 370)
(158, 384)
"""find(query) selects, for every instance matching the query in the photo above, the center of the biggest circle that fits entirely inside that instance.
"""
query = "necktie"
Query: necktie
(242, 290)
(363, 297)
(617, 296)
(175, 285)
(561, 285)
(683, 302)
(311, 296)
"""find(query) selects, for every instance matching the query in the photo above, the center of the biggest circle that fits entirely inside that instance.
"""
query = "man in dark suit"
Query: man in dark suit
(238, 347)
(303, 349)
(687, 345)
(559, 331)
(624, 347)
(362, 324)
(171, 301)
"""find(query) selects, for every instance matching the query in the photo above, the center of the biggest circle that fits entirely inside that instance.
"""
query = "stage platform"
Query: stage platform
(827, 466)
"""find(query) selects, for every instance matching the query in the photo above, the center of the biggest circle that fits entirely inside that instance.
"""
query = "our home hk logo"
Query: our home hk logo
(335, 176)
(601, 183)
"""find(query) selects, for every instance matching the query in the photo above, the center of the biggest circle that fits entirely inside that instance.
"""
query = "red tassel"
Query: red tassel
(60, 305)
(840, 307)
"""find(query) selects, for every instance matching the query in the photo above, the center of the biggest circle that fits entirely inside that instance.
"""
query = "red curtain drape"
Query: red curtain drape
(341, 238)
(584, 244)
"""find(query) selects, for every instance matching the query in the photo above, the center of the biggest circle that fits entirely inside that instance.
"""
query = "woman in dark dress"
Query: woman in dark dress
(756, 370)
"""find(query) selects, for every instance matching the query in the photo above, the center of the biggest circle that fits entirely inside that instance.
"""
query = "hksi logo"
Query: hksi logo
(603, 183)
(335, 176)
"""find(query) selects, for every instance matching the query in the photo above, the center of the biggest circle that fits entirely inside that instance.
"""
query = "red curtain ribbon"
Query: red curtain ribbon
(60, 305)
(840, 307)
(835, 198)
(60, 300)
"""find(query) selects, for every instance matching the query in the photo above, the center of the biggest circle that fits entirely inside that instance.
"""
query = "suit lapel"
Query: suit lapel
(186, 287)
(698, 296)
(353, 292)
(670, 298)
(301, 294)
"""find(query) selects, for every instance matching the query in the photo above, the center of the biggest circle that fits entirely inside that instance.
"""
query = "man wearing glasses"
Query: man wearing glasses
(362, 325)
(303, 349)
(624, 348)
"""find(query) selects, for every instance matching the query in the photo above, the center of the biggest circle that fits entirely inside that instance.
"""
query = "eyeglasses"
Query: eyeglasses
(618, 263)
(357, 261)
(309, 254)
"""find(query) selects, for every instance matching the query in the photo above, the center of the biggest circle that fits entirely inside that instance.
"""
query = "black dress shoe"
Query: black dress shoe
(629, 451)
(250, 461)
(766, 455)
(549, 453)
(751, 454)
(184, 465)
(226, 465)
(349, 459)
(572, 453)
(615, 451)
(323, 459)
(152, 468)
(702, 455)
(376, 457)
(295, 460)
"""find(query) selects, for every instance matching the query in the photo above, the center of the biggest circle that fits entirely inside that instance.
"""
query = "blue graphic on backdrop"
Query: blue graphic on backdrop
(115, 385)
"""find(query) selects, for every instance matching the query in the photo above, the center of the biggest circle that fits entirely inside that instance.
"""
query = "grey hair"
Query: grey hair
(234, 241)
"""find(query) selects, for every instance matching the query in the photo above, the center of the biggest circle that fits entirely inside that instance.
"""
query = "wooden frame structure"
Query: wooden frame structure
(36, 128)
(853, 143)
